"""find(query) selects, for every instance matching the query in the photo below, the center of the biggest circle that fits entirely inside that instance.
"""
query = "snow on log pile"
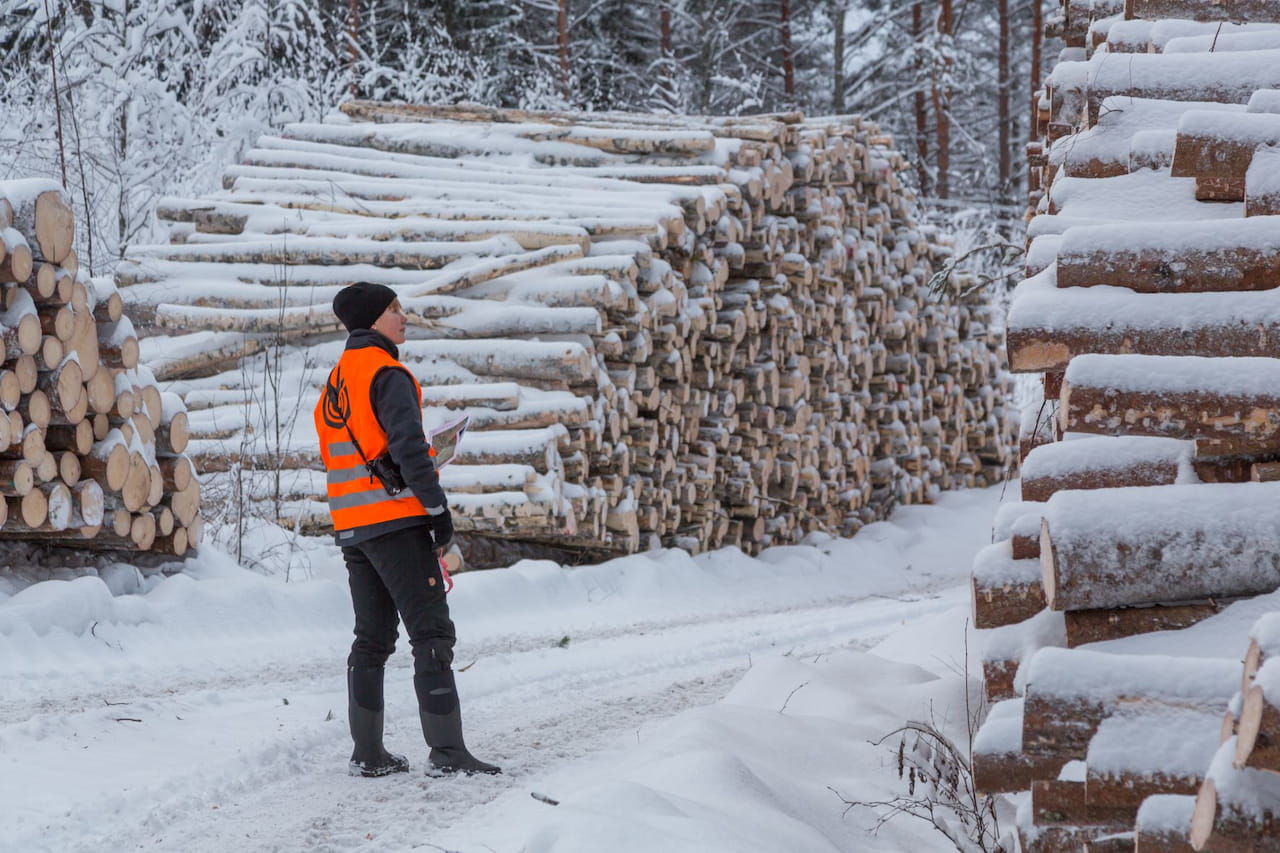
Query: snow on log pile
(1149, 463)
(91, 452)
(695, 332)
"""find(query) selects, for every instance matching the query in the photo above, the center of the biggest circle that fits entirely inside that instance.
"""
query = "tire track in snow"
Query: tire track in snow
(527, 705)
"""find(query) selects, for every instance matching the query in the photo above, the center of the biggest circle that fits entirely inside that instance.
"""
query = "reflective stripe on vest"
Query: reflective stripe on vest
(356, 497)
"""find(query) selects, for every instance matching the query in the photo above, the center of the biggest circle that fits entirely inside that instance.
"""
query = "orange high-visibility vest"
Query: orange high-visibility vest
(356, 497)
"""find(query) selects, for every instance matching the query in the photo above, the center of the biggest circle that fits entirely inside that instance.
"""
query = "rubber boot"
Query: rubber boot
(442, 724)
(364, 712)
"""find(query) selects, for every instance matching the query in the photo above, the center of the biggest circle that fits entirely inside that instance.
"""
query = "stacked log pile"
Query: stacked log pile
(693, 332)
(1149, 462)
(91, 451)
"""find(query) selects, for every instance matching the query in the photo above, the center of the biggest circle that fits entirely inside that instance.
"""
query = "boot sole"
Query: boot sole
(376, 772)
(438, 772)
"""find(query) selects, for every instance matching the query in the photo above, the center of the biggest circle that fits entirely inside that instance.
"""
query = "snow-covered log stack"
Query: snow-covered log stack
(1150, 309)
(697, 332)
(91, 451)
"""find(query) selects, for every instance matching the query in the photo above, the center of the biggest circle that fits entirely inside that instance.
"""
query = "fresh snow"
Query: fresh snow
(666, 701)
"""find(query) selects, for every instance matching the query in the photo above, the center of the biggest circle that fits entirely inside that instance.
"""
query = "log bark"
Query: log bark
(1233, 10)
(1101, 463)
(43, 214)
(1224, 819)
(1249, 259)
(16, 262)
(1159, 400)
(1062, 714)
(1196, 543)
(1217, 147)
(1005, 590)
(1100, 625)
(1034, 346)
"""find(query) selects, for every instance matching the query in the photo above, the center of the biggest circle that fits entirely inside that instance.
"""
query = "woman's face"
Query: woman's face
(391, 325)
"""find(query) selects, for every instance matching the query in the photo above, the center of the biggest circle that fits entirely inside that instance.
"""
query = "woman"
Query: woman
(392, 521)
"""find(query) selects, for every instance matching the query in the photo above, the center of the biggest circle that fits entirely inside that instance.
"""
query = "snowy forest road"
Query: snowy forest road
(235, 756)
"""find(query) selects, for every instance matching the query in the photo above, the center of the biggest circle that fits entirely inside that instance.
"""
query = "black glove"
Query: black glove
(441, 651)
(441, 529)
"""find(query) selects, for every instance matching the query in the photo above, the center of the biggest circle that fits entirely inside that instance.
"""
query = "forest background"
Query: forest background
(128, 101)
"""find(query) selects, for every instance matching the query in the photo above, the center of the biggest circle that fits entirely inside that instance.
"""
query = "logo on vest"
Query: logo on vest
(337, 402)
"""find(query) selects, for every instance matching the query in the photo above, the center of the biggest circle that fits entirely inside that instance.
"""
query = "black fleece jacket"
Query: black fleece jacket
(395, 404)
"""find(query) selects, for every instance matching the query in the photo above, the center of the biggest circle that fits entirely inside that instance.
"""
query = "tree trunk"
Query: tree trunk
(788, 54)
(942, 98)
(839, 8)
(921, 107)
(353, 47)
(1005, 135)
(562, 43)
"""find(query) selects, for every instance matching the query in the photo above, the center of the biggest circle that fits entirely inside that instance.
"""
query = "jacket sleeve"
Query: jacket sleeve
(396, 406)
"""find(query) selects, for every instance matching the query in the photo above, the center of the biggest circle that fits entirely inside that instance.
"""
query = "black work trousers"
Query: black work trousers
(398, 573)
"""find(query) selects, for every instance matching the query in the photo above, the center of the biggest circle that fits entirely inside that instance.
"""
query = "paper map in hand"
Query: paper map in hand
(444, 440)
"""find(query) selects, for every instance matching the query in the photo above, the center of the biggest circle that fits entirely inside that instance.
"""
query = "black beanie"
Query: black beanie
(360, 305)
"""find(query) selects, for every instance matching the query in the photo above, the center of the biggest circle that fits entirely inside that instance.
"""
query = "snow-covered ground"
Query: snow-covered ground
(667, 702)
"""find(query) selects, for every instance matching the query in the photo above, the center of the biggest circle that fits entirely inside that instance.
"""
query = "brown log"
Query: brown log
(1219, 77)
(43, 214)
(1035, 348)
(64, 388)
(1100, 463)
(108, 462)
(174, 436)
(176, 542)
(16, 262)
(1120, 774)
(30, 510)
(998, 679)
(109, 310)
(29, 445)
(42, 283)
(1096, 626)
(47, 468)
(117, 343)
(58, 321)
(1194, 544)
(17, 477)
(1061, 716)
(10, 390)
(186, 504)
(1054, 801)
(165, 522)
(178, 472)
(25, 368)
(1010, 771)
(1156, 832)
(1216, 147)
(77, 437)
(69, 469)
(51, 352)
(1240, 11)
(137, 484)
(1248, 260)
(1225, 824)
(84, 343)
(36, 408)
(1153, 405)
(1005, 591)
